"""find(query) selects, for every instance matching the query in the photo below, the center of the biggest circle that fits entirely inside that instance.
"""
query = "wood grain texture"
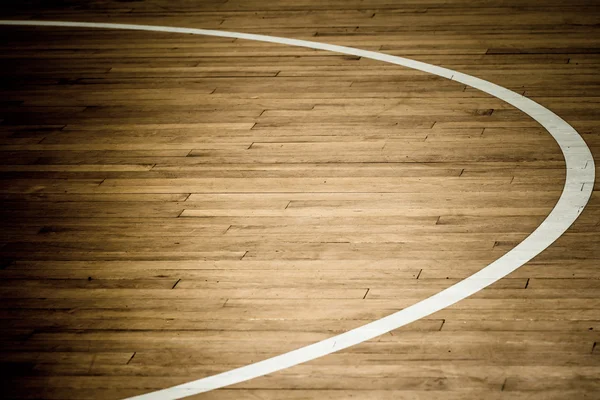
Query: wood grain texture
(175, 206)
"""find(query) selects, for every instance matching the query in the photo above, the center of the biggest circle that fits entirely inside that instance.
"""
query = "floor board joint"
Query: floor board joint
(131, 358)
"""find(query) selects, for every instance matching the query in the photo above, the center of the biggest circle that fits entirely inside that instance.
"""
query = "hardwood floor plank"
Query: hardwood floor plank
(175, 206)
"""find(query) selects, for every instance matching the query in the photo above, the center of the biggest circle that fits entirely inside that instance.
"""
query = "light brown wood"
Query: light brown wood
(176, 206)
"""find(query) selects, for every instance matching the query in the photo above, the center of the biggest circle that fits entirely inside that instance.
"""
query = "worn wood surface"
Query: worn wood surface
(175, 206)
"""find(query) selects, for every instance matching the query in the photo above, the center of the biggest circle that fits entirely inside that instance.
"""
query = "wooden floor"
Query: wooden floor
(175, 206)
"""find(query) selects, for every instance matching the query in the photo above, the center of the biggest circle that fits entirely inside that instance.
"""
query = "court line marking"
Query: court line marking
(575, 195)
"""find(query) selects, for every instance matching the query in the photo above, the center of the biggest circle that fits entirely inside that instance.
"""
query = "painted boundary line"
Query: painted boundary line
(575, 195)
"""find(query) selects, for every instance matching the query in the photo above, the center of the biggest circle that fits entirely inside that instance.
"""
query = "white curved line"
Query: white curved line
(576, 193)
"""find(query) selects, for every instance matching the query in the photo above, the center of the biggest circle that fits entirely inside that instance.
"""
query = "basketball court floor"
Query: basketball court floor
(302, 199)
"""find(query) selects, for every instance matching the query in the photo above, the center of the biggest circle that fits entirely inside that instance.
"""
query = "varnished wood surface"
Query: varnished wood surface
(175, 206)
